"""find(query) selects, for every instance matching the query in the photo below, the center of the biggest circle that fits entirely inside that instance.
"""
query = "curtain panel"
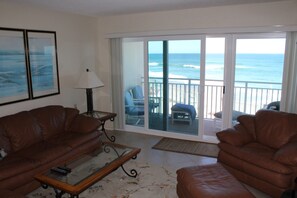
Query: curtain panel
(289, 95)
(117, 81)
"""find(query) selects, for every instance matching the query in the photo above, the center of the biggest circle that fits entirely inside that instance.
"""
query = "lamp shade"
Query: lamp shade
(89, 80)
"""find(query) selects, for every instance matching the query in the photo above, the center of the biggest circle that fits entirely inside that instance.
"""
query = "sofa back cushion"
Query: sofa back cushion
(71, 114)
(51, 119)
(274, 128)
(22, 130)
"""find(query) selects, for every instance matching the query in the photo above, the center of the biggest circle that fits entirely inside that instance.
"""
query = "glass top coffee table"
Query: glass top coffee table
(88, 169)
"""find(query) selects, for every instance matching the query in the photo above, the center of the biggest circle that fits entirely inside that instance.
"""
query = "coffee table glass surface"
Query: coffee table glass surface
(89, 169)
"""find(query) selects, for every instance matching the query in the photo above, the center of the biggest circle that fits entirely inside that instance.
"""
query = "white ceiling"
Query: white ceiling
(115, 7)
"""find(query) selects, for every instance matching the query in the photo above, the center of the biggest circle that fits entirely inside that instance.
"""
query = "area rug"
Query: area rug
(151, 181)
(189, 147)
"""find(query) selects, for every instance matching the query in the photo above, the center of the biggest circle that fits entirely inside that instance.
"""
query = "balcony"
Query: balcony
(248, 98)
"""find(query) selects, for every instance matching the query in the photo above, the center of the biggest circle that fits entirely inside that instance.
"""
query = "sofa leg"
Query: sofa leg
(289, 194)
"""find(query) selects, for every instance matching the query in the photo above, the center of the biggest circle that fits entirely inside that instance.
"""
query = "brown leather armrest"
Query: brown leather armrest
(287, 154)
(84, 124)
(235, 136)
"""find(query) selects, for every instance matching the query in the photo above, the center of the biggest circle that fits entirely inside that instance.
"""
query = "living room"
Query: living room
(83, 41)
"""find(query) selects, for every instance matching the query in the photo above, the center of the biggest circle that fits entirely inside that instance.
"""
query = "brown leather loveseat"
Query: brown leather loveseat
(42, 138)
(261, 150)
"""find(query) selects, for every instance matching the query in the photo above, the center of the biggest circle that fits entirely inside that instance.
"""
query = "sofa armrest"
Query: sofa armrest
(84, 124)
(235, 136)
(287, 154)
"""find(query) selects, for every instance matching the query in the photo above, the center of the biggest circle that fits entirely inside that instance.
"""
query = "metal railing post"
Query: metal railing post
(189, 91)
(245, 97)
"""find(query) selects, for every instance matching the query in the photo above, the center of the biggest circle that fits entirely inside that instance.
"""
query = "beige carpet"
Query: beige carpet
(189, 147)
(151, 181)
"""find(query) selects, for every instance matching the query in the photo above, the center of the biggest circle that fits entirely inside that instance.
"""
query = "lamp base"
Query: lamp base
(89, 93)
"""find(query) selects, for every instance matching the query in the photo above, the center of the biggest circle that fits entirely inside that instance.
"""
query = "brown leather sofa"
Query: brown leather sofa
(10, 194)
(261, 150)
(42, 138)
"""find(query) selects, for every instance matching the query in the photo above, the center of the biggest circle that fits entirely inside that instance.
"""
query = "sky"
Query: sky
(216, 45)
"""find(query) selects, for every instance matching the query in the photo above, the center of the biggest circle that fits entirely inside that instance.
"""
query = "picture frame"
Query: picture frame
(14, 78)
(43, 63)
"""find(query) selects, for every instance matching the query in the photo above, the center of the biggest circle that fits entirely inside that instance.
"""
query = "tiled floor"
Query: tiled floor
(165, 158)
(211, 126)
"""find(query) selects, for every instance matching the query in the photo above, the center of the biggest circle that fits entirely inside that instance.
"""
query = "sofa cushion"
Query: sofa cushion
(73, 140)
(71, 113)
(247, 122)
(236, 136)
(274, 129)
(14, 165)
(51, 120)
(22, 130)
(44, 152)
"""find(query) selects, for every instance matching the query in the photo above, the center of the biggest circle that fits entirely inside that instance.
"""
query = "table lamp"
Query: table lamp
(88, 81)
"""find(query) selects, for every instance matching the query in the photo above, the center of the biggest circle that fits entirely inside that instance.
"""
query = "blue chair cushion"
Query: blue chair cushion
(235, 114)
(137, 92)
(190, 109)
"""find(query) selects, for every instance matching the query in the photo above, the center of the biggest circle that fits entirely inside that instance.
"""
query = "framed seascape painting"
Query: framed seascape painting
(43, 63)
(13, 70)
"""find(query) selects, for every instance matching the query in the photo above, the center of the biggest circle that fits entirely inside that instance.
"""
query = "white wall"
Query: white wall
(224, 18)
(253, 15)
(76, 43)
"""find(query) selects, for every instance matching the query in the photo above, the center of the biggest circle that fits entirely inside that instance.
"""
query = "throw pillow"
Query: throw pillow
(2, 153)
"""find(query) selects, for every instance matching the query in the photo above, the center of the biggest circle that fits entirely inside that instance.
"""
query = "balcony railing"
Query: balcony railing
(248, 96)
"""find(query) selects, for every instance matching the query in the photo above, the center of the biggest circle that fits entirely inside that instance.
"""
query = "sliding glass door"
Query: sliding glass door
(214, 85)
(258, 73)
(173, 76)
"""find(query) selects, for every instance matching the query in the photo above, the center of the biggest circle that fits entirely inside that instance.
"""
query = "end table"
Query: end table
(103, 117)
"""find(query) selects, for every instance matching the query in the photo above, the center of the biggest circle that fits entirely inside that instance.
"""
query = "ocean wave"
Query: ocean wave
(160, 75)
(153, 64)
(192, 66)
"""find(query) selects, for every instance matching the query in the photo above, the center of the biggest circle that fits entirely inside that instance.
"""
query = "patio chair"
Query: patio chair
(235, 115)
(273, 106)
(138, 98)
(137, 92)
(183, 112)
(218, 118)
(132, 110)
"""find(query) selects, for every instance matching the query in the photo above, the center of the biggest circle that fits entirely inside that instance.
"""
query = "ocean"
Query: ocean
(249, 67)
(13, 73)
